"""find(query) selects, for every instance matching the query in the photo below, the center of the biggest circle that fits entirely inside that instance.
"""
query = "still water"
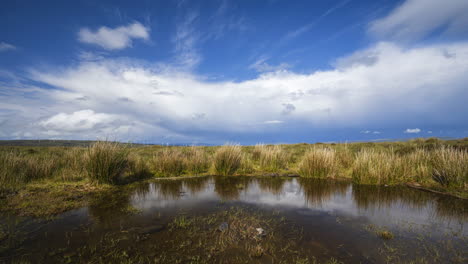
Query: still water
(247, 220)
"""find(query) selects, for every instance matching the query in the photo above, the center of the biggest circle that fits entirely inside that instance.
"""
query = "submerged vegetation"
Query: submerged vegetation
(427, 163)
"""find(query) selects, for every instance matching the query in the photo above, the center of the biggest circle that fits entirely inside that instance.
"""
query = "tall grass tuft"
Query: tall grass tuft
(273, 158)
(137, 167)
(379, 167)
(318, 163)
(18, 168)
(450, 167)
(71, 165)
(227, 159)
(197, 161)
(106, 162)
(257, 151)
(169, 162)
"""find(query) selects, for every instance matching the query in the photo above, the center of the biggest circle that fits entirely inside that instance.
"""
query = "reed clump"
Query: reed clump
(71, 165)
(138, 167)
(273, 158)
(257, 151)
(378, 167)
(445, 165)
(318, 163)
(450, 167)
(197, 161)
(169, 162)
(18, 168)
(106, 162)
(227, 159)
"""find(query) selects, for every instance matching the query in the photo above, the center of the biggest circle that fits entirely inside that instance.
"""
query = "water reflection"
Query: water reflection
(170, 189)
(229, 188)
(318, 192)
(273, 185)
(380, 205)
(196, 185)
(369, 196)
(331, 214)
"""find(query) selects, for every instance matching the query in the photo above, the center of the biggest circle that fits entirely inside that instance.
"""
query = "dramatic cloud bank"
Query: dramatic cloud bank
(114, 38)
(384, 84)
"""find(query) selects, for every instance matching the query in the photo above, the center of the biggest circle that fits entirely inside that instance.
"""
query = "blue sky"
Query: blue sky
(240, 71)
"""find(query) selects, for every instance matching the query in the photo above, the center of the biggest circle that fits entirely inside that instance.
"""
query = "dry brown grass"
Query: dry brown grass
(227, 159)
(197, 161)
(273, 158)
(378, 167)
(106, 162)
(319, 163)
(169, 162)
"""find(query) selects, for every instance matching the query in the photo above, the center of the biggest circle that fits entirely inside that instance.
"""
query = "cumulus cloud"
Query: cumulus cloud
(6, 47)
(415, 19)
(412, 130)
(114, 38)
(77, 121)
(160, 102)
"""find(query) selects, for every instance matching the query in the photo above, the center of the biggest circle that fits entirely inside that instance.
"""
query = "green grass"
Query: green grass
(169, 162)
(272, 158)
(319, 163)
(440, 165)
(106, 162)
(227, 160)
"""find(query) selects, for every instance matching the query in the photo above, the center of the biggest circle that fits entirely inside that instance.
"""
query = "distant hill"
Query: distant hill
(77, 143)
(46, 143)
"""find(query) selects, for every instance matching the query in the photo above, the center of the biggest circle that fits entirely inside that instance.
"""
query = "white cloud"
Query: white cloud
(429, 132)
(273, 122)
(77, 121)
(114, 38)
(185, 41)
(160, 102)
(6, 47)
(412, 130)
(415, 19)
(370, 132)
(262, 66)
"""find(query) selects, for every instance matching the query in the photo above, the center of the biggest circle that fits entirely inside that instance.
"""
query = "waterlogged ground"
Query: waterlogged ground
(246, 220)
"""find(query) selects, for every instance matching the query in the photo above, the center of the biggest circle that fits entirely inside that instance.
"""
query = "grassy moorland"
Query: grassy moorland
(49, 180)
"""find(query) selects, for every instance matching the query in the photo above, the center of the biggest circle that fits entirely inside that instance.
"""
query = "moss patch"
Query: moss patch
(49, 198)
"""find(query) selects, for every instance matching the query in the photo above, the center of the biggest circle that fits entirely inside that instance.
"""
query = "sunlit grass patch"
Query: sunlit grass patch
(106, 162)
(318, 163)
(450, 167)
(227, 160)
(197, 161)
(17, 169)
(169, 162)
(273, 158)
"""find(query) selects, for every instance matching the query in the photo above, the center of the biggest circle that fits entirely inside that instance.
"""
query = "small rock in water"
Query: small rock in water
(260, 231)
(152, 229)
(223, 227)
